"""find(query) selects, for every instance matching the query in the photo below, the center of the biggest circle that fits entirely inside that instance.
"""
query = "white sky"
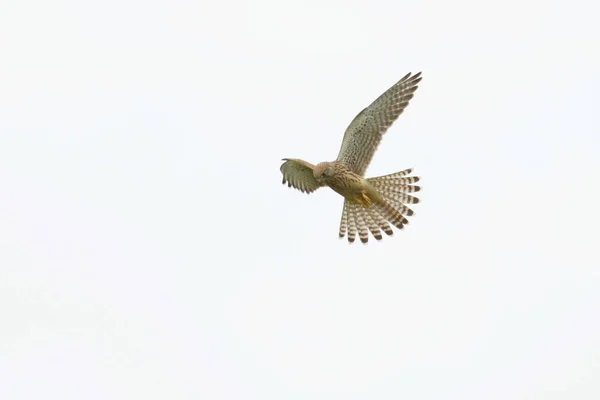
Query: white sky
(149, 251)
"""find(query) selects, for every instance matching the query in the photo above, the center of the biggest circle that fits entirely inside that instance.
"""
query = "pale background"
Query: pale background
(149, 251)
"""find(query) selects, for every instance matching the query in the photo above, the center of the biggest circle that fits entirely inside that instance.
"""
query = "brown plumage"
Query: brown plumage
(372, 204)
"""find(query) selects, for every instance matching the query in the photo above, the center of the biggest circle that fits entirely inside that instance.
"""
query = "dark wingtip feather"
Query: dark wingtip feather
(405, 77)
(417, 77)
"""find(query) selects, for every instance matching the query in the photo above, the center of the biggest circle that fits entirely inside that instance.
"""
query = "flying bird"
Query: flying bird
(370, 204)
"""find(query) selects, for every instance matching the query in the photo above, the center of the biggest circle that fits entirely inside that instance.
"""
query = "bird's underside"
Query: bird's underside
(371, 204)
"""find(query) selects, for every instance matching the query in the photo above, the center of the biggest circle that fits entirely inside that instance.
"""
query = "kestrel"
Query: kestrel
(370, 203)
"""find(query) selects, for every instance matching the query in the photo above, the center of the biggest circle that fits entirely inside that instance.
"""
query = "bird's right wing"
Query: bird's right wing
(364, 133)
(299, 175)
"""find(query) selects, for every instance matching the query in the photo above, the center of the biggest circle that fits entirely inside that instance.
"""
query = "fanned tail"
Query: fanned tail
(391, 209)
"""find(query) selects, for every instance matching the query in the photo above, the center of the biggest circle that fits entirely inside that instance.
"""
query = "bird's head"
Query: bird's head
(322, 171)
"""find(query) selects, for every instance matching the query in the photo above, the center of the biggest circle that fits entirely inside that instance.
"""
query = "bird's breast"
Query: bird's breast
(353, 187)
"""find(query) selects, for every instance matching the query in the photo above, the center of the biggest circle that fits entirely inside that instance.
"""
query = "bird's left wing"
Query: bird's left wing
(366, 129)
(299, 174)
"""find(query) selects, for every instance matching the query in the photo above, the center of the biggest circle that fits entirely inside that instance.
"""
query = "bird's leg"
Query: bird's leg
(363, 199)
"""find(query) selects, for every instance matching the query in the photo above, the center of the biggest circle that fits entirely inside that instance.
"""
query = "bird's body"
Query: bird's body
(346, 182)
(370, 203)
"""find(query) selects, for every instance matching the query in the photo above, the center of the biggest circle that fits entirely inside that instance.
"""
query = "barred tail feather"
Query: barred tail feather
(381, 222)
(391, 208)
(388, 212)
(351, 222)
(401, 197)
(363, 230)
(372, 223)
(401, 208)
(356, 218)
(394, 175)
(374, 219)
(398, 182)
(407, 180)
(397, 188)
(344, 221)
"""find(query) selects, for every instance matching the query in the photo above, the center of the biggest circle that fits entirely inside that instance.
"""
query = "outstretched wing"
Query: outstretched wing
(364, 133)
(299, 174)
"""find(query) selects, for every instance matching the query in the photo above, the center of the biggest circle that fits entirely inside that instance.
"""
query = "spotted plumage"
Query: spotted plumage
(370, 204)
